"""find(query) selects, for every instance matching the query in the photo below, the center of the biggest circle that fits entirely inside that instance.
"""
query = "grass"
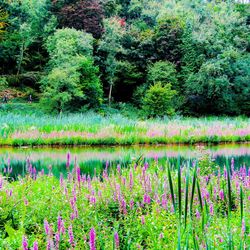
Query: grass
(139, 207)
(34, 129)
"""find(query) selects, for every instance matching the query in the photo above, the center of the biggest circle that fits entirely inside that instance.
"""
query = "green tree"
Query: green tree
(3, 21)
(72, 81)
(162, 71)
(158, 100)
(111, 45)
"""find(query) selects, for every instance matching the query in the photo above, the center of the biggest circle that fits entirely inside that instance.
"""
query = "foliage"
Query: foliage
(111, 46)
(106, 211)
(83, 15)
(162, 71)
(197, 46)
(3, 23)
(72, 80)
(3, 83)
(158, 100)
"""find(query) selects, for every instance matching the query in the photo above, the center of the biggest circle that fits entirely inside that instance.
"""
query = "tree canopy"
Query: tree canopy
(83, 53)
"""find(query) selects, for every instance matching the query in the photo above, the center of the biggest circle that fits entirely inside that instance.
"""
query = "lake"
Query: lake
(94, 159)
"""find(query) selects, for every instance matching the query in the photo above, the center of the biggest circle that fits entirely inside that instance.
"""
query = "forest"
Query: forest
(165, 57)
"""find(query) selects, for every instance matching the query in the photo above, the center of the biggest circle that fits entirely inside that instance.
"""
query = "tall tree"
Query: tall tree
(110, 45)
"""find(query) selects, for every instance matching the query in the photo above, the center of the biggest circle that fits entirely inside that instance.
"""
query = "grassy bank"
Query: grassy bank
(34, 129)
(139, 207)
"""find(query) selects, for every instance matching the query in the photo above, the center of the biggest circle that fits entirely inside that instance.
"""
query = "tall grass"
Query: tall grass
(94, 129)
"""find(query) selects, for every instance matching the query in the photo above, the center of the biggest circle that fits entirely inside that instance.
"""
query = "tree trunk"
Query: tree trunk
(110, 92)
(20, 59)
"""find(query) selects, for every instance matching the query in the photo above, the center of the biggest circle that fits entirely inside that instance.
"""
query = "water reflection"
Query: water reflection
(90, 158)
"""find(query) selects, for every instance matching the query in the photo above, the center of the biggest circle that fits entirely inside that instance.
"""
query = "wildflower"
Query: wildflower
(71, 236)
(146, 199)
(78, 175)
(46, 227)
(197, 214)
(25, 243)
(131, 181)
(116, 238)
(211, 209)
(92, 239)
(243, 227)
(161, 236)
(221, 194)
(59, 223)
(35, 246)
(142, 220)
(131, 204)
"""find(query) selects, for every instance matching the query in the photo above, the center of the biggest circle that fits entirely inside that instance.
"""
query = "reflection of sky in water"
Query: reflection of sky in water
(86, 154)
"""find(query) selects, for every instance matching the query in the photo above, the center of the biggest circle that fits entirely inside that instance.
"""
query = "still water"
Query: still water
(90, 158)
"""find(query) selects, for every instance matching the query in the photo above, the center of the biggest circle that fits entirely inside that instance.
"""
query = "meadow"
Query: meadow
(187, 205)
(34, 129)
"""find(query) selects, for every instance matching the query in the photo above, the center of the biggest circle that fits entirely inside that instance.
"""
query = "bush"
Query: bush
(158, 100)
(3, 83)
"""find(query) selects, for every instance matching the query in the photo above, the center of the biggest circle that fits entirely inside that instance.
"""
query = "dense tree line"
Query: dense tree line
(165, 56)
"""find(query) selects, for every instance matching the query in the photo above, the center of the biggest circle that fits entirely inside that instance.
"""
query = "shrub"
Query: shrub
(158, 100)
(3, 83)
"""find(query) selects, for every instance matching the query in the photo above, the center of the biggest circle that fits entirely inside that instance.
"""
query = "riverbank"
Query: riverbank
(95, 129)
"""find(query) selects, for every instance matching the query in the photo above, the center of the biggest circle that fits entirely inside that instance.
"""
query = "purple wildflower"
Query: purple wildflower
(92, 239)
(46, 227)
(25, 243)
(142, 220)
(35, 246)
(221, 194)
(116, 238)
(71, 236)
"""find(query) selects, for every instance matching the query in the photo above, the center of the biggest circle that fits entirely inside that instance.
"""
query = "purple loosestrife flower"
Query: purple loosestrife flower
(197, 214)
(78, 175)
(131, 181)
(119, 169)
(146, 199)
(25, 243)
(92, 239)
(232, 165)
(131, 204)
(161, 236)
(243, 227)
(57, 238)
(221, 194)
(211, 209)
(46, 227)
(71, 236)
(59, 223)
(116, 238)
(35, 246)
(61, 180)
(142, 220)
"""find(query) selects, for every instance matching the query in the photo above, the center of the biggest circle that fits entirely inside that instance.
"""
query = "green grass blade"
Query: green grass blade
(193, 191)
(179, 190)
(171, 188)
(186, 198)
(199, 195)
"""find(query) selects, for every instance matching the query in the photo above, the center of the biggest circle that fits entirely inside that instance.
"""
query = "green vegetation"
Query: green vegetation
(148, 206)
(36, 128)
(82, 54)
